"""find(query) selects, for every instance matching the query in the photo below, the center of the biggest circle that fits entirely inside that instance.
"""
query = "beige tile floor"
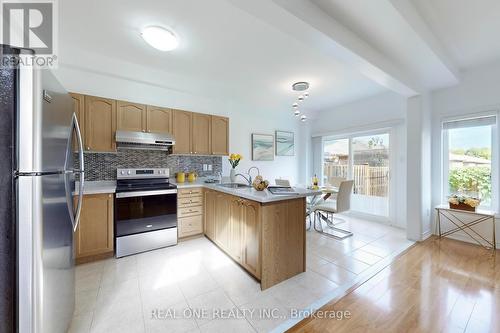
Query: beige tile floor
(177, 289)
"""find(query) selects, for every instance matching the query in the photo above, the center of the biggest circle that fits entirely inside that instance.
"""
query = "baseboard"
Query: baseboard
(96, 257)
(466, 239)
(426, 235)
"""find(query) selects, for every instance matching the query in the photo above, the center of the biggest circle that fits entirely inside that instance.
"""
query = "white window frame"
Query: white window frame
(494, 157)
(392, 162)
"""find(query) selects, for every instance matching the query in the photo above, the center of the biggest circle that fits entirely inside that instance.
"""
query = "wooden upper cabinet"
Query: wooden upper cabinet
(250, 221)
(159, 120)
(131, 116)
(100, 124)
(182, 130)
(201, 139)
(78, 109)
(94, 235)
(220, 135)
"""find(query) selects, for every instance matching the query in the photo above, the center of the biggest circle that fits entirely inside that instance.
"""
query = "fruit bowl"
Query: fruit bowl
(260, 184)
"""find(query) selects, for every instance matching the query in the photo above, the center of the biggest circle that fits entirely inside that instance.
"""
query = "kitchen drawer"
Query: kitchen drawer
(188, 226)
(190, 202)
(189, 192)
(190, 211)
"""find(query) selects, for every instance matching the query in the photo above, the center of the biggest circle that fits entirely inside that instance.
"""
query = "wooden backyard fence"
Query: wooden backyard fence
(368, 180)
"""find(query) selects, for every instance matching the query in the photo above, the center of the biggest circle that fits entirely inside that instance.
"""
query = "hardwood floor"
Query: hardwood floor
(436, 286)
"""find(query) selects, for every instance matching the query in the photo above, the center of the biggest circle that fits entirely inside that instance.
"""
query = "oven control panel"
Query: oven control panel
(142, 173)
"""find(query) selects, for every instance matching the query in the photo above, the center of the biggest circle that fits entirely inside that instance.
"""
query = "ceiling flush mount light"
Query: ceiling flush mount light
(160, 38)
(300, 86)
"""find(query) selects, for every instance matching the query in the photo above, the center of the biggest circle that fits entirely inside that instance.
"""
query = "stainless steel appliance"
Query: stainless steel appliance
(145, 211)
(44, 129)
(144, 140)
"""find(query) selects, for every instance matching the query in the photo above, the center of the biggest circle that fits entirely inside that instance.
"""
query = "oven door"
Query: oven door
(139, 212)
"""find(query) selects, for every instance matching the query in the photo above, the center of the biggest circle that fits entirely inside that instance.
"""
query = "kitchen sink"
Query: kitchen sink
(233, 185)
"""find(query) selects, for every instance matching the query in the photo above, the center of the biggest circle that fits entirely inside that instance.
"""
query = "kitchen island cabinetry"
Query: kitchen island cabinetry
(267, 239)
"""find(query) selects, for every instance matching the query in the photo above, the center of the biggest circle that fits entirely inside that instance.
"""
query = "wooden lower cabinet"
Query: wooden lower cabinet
(209, 216)
(234, 225)
(190, 212)
(250, 237)
(268, 240)
(94, 235)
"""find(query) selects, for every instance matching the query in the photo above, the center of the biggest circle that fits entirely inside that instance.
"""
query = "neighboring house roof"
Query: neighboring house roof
(468, 159)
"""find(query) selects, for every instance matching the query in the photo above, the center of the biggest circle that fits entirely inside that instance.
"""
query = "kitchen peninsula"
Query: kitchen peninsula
(264, 233)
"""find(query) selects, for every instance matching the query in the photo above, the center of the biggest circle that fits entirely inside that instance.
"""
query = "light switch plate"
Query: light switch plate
(210, 167)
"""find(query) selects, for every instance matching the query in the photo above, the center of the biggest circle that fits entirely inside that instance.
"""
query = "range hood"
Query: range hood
(144, 140)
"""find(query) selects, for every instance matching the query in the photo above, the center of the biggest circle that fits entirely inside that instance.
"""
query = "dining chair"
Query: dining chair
(335, 182)
(326, 210)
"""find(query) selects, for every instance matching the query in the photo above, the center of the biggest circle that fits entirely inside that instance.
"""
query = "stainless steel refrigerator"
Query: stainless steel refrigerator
(43, 175)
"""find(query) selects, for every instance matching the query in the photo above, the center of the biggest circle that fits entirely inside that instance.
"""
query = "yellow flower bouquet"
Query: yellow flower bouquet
(235, 159)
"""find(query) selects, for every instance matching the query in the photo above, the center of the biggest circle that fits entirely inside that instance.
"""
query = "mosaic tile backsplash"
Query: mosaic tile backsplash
(102, 166)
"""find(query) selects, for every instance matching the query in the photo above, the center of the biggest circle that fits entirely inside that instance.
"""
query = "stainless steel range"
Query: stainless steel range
(145, 211)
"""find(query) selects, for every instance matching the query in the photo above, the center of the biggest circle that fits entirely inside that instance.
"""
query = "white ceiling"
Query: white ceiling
(469, 29)
(381, 25)
(252, 51)
(224, 52)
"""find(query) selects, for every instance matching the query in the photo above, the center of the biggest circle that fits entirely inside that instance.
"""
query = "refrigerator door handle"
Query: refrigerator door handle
(82, 172)
(70, 171)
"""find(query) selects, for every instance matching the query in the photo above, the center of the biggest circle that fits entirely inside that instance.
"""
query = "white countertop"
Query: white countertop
(249, 192)
(98, 187)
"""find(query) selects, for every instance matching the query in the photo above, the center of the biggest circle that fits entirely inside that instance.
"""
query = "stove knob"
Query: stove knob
(123, 172)
(129, 172)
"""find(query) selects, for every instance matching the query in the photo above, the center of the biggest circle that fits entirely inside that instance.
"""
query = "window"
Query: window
(468, 152)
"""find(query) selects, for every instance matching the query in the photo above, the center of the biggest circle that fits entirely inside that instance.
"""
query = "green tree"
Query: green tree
(471, 179)
(479, 152)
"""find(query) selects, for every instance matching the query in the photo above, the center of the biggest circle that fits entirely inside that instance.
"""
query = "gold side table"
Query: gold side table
(479, 216)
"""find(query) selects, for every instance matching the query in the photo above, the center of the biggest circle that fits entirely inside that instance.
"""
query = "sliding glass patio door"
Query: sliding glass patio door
(365, 159)
(371, 164)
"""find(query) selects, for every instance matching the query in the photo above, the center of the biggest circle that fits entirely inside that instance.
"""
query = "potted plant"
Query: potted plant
(234, 160)
(463, 202)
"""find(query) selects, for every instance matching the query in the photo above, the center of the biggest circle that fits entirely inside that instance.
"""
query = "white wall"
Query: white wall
(479, 91)
(386, 110)
(244, 119)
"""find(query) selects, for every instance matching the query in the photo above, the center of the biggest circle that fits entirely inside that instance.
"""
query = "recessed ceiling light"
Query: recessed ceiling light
(303, 118)
(160, 38)
(295, 105)
(297, 113)
(300, 86)
(301, 98)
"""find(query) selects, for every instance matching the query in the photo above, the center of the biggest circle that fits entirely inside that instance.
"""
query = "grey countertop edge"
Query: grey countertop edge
(106, 187)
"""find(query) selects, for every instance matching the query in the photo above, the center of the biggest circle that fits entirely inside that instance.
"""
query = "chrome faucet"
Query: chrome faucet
(249, 179)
